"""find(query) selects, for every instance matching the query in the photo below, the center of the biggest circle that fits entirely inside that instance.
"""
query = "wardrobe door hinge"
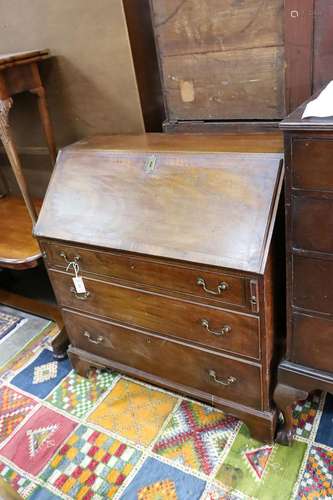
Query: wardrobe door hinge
(254, 300)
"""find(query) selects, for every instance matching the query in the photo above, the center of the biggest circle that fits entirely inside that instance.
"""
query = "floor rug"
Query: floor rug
(109, 436)
(21, 329)
(8, 321)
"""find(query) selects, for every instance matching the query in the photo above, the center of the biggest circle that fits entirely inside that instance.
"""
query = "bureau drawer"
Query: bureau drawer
(214, 287)
(312, 224)
(192, 367)
(312, 164)
(312, 342)
(203, 324)
(312, 284)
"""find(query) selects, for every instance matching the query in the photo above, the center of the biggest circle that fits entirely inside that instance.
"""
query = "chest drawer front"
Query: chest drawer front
(200, 369)
(312, 284)
(312, 341)
(312, 164)
(205, 325)
(313, 224)
(208, 286)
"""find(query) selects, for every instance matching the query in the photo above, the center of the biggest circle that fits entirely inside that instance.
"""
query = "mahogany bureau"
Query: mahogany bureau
(309, 222)
(170, 241)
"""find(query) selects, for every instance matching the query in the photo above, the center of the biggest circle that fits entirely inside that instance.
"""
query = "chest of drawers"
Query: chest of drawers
(175, 242)
(309, 222)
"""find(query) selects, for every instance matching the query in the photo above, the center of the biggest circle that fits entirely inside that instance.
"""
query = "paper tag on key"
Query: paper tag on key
(79, 284)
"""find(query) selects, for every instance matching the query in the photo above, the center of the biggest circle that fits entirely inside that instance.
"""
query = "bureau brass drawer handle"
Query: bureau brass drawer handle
(225, 329)
(222, 287)
(98, 340)
(64, 256)
(228, 381)
(80, 296)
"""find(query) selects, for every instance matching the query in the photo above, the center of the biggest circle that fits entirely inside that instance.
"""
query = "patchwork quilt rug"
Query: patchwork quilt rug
(109, 436)
(8, 322)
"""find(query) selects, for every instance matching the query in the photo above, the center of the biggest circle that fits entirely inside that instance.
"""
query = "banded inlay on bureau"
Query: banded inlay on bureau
(175, 250)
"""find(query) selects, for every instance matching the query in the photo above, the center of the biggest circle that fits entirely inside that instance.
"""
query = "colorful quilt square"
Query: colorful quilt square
(37, 440)
(157, 480)
(195, 436)
(134, 411)
(219, 493)
(90, 465)
(41, 493)
(325, 429)
(42, 375)
(8, 322)
(304, 414)
(14, 407)
(317, 478)
(22, 485)
(78, 395)
(259, 470)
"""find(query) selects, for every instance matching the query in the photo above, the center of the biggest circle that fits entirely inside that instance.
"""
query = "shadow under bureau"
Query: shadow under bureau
(161, 253)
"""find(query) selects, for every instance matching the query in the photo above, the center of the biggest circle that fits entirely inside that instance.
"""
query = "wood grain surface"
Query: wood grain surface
(18, 248)
(221, 59)
(210, 208)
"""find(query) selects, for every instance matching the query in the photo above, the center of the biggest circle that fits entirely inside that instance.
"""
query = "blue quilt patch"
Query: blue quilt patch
(42, 375)
(325, 428)
(156, 479)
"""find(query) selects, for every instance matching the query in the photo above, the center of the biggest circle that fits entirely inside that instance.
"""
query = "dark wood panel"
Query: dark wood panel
(312, 284)
(158, 356)
(323, 44)
(232, 332)
(312, 164)
(312, 341)
(219, 127)
(221, 287)
(312, 224)
(220, 59)
(201, 26)
(238, 84)
(298, 51)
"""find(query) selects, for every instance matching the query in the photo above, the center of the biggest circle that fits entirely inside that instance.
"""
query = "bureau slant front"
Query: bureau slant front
(161, 252)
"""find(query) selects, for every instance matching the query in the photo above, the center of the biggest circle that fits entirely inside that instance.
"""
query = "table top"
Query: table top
(18, 248)
(156, 195)
(7, 60)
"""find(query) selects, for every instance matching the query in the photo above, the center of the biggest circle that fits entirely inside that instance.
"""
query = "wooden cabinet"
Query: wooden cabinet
(175, 241)
(309, 221)
(220, 59)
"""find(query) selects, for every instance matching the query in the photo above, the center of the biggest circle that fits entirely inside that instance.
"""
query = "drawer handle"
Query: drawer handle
(80, 296)
(98, 340)
(225, 328)
(230, 380)
(64, 256)
(222, 287)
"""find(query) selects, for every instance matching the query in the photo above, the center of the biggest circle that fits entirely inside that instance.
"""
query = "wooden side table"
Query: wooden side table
(18, 249)
(19, 72)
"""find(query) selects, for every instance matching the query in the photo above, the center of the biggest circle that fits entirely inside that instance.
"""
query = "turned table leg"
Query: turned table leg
(285, 396)
(14, 160)
(39, 91)
(46, 122)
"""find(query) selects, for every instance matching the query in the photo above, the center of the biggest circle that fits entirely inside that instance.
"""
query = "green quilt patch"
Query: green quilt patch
(259, 470)
(78, 395)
